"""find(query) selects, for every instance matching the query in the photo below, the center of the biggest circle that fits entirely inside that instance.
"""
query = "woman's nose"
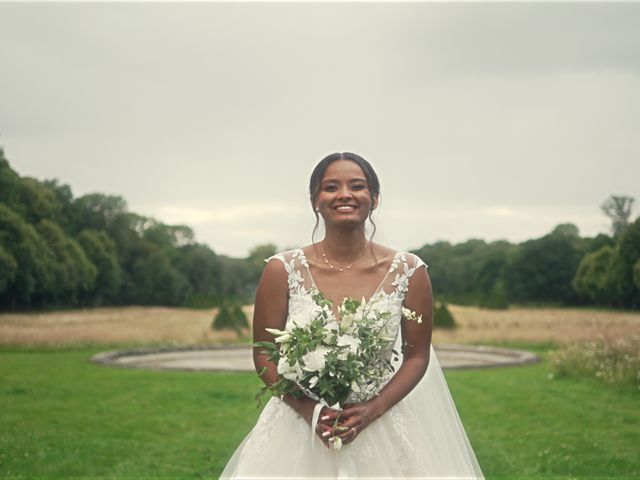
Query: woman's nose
(344, 192)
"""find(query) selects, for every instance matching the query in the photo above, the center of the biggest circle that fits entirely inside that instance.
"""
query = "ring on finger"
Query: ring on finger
(355, 432)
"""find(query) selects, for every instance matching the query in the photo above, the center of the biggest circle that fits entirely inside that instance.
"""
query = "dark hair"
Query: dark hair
(318, 174)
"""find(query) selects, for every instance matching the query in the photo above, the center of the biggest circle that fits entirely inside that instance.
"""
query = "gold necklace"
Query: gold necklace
(324, 255)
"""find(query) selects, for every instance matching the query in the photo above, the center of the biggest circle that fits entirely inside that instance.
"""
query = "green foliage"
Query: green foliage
(101, 251)
(168, 237)
(72, 271)
(442, 317)
(541, 270)
(152, 279)
(8, 269)
(591, 279)
(497, 297)
(230, 316)
(31, 254)
(467, 272)
(627, 254)
(201, 266)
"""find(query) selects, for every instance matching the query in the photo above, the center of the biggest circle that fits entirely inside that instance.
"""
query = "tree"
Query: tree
(32, 255)
(618, 209)
(8, 269)
(542, 269)
(200, 265)
(97, 211)
(72, 271)
(10, 184)
(621, 276)
(101, 251)
(152, 280)
(591, 281)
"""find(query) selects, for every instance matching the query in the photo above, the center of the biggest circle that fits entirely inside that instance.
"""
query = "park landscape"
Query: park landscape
(80, 276)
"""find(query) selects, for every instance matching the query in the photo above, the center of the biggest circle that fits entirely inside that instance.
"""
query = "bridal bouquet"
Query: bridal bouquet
(330, 359)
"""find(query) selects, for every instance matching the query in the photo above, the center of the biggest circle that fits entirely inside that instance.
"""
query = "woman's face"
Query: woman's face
(344, 195)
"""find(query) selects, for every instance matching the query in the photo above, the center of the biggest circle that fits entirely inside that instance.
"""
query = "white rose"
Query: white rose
(303, 310)
(314, 361)
(349, 341)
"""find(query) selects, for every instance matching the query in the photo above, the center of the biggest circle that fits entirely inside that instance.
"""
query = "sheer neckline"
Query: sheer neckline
(376, 291)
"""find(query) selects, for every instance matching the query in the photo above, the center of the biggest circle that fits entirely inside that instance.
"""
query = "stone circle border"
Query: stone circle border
(515, 357)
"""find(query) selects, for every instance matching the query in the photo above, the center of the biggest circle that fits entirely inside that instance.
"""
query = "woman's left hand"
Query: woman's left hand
(352, 420)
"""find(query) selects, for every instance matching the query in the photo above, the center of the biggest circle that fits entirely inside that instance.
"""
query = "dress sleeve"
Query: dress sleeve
(418, 262)
(279, 256)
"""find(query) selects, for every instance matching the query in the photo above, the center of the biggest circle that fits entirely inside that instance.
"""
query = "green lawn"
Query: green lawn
(62, 417)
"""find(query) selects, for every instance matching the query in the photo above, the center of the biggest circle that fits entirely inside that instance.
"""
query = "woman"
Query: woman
(411, 428)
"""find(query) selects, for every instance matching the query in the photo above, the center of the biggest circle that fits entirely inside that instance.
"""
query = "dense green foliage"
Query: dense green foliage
(560, 268)
(57, 251)
(66, 418)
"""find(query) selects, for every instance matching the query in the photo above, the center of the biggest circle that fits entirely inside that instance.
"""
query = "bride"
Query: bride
(410, 428)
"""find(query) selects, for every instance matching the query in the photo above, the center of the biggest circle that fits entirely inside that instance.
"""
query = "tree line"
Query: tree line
(560, 268)
(59, 251)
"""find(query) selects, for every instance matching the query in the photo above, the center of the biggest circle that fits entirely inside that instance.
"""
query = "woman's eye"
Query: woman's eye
(329, 188)
(359, 187)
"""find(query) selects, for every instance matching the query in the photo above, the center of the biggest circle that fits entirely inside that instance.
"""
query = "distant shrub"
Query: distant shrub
(611, 361)
(230, 317)
(442, 317)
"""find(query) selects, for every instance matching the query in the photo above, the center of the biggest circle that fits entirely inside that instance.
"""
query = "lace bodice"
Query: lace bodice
(390, 293)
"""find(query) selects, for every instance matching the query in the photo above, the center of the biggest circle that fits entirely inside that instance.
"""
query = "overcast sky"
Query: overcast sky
(482, 120)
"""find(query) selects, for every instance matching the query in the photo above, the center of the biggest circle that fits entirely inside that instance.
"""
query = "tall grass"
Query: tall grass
(609, 360)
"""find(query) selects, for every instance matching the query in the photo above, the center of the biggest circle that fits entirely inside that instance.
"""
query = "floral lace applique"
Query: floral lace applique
(400, 256)
(401, 280)
(294, 277)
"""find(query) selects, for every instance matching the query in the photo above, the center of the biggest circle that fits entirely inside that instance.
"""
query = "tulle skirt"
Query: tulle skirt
(420, 437)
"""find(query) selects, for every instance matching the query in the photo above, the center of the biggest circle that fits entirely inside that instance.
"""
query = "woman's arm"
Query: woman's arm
(417, 341)
(270, 311)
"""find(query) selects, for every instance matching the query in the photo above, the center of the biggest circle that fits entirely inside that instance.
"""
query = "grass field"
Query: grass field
(63, 417)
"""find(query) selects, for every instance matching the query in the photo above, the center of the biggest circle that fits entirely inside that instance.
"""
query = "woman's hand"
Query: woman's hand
(305, 407)
(351, 421)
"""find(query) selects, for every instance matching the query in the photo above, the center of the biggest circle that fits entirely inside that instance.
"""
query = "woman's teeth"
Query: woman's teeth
(345, 208)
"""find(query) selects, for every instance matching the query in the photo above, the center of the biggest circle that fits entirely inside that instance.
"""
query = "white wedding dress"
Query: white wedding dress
(420, 437)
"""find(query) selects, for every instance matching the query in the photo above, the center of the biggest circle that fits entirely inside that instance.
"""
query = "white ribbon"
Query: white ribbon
(314, 419)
